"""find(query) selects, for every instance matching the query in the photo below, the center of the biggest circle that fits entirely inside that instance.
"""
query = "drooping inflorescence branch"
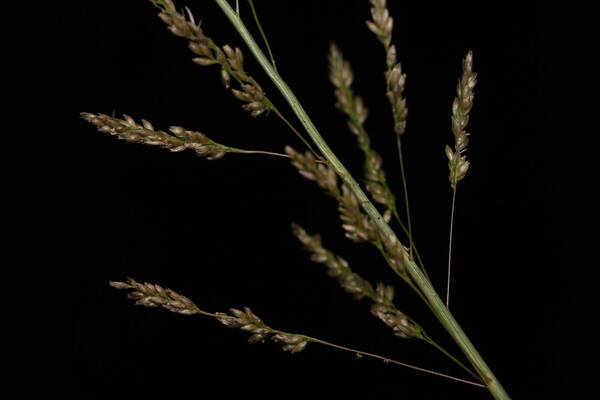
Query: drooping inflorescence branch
(155, 296)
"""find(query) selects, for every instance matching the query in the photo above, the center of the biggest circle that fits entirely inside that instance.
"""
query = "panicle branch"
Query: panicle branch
(155, 296)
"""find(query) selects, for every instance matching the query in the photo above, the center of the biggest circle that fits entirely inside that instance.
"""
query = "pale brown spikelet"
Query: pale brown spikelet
(247, 321)
(358, 225)
(341, 76)
(180, 139)
(231, 60)
(382, 23)
(397, 253)
(308, 167)
(400, 324)
(376, 182)
(384, 309)
(395, 81)
(151, 295)
(457, 162)
(290, 342)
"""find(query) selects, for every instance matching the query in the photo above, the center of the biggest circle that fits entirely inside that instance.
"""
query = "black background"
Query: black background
(218, 232)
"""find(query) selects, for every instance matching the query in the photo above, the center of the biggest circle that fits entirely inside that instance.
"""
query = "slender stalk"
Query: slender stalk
(366, 354)
(405, 278)
(410, 239)
(273, 108)
(240, 151)
(441, 312)
(450, 247)
(388, 360)
(406, 202)
(450, 356)
(262, 33)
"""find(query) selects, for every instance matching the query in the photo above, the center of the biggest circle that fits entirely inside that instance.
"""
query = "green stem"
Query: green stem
(441, 312)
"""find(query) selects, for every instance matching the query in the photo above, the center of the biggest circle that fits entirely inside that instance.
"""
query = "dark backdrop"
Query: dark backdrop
(218, 232)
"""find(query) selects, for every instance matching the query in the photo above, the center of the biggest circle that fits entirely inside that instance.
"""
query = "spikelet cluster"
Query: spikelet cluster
(180, 139)
(382, 25)
(337, 267)
(341, 76)
(382, 297)
(384, 309)
(151, 295)
(247, 321)
(208, 53)
(357, 225)
(457, 161)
